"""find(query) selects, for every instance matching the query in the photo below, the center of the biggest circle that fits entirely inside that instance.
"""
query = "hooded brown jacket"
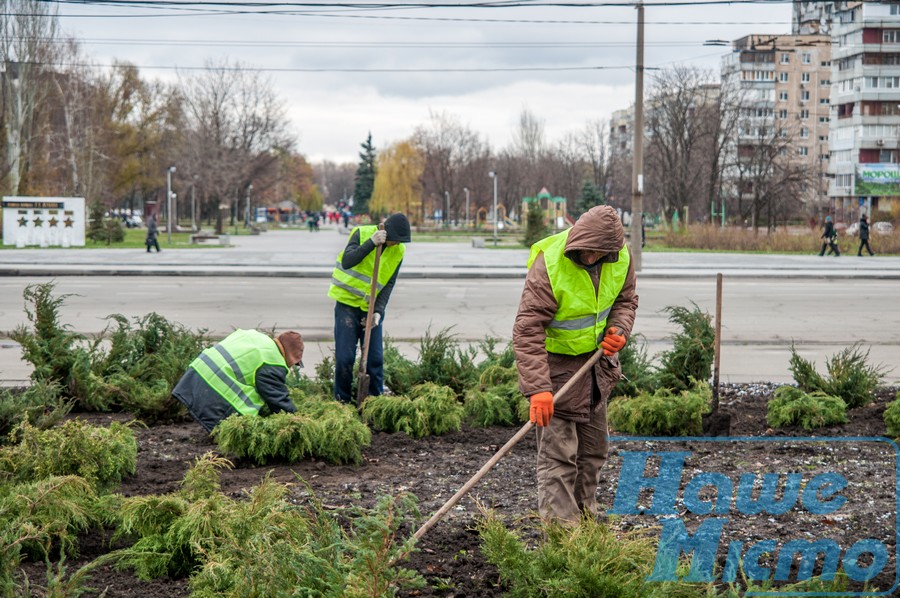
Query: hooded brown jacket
(541, 371)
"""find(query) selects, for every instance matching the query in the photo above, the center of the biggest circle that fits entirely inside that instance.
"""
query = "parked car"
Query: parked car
(852, 230)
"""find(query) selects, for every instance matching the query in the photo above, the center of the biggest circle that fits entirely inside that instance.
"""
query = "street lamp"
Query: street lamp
(169, 172)
(446, 208)
(193, 205)
(247, 207)
(493, 175)
(466, 191)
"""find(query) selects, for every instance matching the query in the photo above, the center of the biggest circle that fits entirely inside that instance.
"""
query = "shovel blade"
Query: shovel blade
(362, 389)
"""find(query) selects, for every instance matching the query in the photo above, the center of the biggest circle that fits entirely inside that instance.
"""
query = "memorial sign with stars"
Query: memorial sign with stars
(44, 221)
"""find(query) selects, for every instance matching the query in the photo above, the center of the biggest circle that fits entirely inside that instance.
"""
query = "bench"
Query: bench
(201, 237)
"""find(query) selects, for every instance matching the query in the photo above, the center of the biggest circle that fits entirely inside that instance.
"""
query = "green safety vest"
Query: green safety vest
(581, 313)
(229, 367)
(352, 286)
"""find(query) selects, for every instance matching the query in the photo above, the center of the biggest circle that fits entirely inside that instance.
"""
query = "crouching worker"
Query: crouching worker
(241, 374)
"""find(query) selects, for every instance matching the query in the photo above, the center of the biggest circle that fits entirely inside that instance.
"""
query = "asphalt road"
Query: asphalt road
(761, 317)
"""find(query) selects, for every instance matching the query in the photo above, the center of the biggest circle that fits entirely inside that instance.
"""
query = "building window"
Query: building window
(783, 77)
(782, 133)
(806, 58)
(895, 9)
(782, 114)
(802, 151)
(804, 95)
(825, 82)
(804, 77)
(783, 96)
(785, 58)
(890, 36)
(804, 114)
(889, 156)
(824, 101)
(824, 119)
(782, 151)
(804, 133)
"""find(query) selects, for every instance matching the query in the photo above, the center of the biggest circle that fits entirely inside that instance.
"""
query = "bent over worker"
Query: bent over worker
(243, 373)
(579, 296)
(351, 283)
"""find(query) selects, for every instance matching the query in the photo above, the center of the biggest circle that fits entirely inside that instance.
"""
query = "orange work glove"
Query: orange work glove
(613, 341)
(541, 408)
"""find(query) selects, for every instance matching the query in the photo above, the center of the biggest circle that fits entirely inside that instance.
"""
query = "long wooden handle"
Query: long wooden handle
(503, 450)
(361, 394)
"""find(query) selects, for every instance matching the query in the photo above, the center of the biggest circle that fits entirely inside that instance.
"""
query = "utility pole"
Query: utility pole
(637, 175)
(466, 191)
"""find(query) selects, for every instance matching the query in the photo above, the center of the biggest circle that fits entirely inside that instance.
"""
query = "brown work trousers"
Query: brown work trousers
(569, 458)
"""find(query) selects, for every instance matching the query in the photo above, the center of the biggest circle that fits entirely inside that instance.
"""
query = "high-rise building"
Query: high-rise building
(784, 84)
(865, 148)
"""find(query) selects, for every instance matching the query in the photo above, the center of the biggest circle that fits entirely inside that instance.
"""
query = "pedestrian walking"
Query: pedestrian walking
(830, 239)
(351, 283)
(579, 295)
(864, 236)
(244, 373)
(152, 234)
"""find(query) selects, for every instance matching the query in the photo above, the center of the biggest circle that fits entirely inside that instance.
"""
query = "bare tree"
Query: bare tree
(28, 31)
(234, 121)
(594, 141)
(334, 180)
(454, 158)
(682, 127)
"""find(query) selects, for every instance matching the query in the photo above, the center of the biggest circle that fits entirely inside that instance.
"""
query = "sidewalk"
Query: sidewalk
(301, 254)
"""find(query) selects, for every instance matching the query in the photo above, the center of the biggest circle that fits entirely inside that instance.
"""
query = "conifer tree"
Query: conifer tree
(365, 177)
(589, 197)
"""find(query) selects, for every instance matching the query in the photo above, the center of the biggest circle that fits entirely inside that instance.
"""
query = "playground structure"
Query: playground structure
(554, 208)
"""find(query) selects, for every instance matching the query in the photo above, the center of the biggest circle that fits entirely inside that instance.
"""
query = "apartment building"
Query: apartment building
(865, 135)
(785, 86)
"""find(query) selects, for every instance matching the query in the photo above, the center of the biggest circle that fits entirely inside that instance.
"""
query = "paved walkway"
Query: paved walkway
(298, 254)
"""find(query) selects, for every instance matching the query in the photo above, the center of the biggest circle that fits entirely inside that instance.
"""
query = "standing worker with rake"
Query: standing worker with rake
(579, 295)
(370, 261)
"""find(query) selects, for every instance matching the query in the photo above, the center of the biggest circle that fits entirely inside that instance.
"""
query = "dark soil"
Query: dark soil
(434, 468)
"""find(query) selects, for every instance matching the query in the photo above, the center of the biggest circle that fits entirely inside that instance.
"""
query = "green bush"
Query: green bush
(535, 227)
(505, 358)
(321, 428)
(38, 515)
(693, 349)
(793, 407)
(892, 417)
(264, 544)
(850, 376)
(443, 363)
(637, 369)
(322, 384)
(496, 400)
(101, 455)
(49, 346)
(102, 229)
(40, 404)
(400, 373)
(144, 363)
(430, 410)
(662, 413)
(587, 560)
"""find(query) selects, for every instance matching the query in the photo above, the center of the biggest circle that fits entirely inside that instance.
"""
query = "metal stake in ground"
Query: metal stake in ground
(503, 450)
(362, 380)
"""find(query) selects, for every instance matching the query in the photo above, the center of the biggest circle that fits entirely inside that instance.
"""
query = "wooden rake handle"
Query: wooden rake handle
(362, 393)
(503, 450)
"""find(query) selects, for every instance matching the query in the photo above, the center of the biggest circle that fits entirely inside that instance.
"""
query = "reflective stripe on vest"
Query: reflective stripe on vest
(352, 286)
(581, 312)
(229, 368)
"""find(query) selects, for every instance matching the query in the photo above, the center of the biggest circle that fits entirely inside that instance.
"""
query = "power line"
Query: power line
(414, 5)
(339, 70)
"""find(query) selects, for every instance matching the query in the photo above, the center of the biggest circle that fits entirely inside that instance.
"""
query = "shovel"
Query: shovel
(503, 450)
(362, 380)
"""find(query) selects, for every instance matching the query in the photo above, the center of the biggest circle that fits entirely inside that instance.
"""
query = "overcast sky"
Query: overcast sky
(539, 58)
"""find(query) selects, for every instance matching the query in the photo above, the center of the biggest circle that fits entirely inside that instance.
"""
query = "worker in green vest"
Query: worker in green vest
(351, 283)
(244, 373)
(579, 297)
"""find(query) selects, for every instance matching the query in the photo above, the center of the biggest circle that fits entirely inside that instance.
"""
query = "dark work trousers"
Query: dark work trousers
(349, 333)
(864, 243)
